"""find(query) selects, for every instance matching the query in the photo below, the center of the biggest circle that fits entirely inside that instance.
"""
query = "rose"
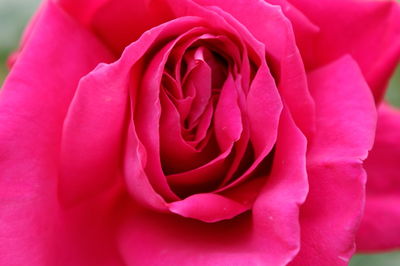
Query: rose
(88, 220)
(102, 159)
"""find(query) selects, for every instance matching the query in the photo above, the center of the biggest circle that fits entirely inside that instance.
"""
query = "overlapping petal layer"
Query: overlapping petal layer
(33, 105)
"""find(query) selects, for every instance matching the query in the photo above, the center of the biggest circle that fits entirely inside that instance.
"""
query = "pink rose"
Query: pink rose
(207, 132)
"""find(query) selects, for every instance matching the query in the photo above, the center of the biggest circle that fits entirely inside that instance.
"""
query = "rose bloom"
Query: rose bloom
(204, 132)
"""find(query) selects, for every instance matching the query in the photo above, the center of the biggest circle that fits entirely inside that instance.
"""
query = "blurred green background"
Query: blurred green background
(14, 14)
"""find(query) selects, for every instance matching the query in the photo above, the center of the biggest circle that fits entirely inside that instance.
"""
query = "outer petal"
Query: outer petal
(380, 227)
(93, 133)
(345, 131)
(368, 30)
(84, 10)
(118, 23)
(33, 105)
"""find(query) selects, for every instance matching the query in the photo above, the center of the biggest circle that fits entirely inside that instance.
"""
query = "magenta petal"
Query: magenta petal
(201, 82)
(207, 207)
(33, 105)
(368, 30)
(122, 22)
(331, 214)
(380, 226)
(264, 108)
(344, 134)
(346, 116)
(227, 117)
(153, 239)
(304, 29)
(176, 153)
(202, 131)
(146, 117)
(84, 10)
(205, 177)
(137, 181)
(93, 133)
(276, 210)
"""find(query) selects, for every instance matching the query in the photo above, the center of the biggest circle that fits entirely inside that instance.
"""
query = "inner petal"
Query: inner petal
(177, 154)
(228, 121)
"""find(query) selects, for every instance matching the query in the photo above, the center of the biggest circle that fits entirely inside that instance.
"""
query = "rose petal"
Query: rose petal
(207, 207)
(84, 10)
(177, 154)
(168, 239)
(304, 29)
(137, 181)
(345, 131)
(203, 178)
(380, 226)
(93, 134)
(33, 104)
(201, 80)
(346, 117)
(368, 30)
(264, 108)
(227, 117)
(121, 22)
(276, 210)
